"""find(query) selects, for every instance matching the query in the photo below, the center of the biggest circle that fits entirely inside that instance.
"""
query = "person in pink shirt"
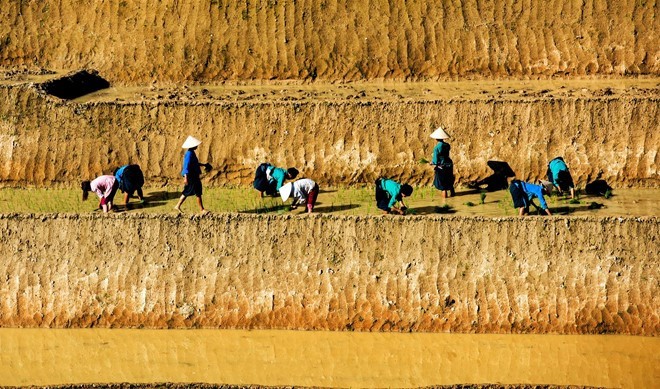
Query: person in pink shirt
(105, 187)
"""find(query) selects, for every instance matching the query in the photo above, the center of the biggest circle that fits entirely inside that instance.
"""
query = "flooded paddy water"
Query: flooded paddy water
(323, 359)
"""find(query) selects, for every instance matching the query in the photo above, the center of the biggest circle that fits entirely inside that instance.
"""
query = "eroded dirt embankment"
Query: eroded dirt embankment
(47, 142)
(131, 41)
(500, 275)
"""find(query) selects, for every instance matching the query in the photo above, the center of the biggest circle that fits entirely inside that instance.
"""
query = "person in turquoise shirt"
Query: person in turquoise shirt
(279, 175)
(444, 166)
(389, 192)
(560, 176)
(523, 193)
(268, 179)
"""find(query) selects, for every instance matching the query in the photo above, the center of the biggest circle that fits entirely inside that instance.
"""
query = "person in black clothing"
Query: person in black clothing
(131, 180)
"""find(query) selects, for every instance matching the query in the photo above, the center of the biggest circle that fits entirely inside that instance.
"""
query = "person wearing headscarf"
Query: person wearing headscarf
(191, 173)
(523, 193)
(268, 179)
(560, 176)
(444, 166)
(131, 180)
(105, 187)
(389, 193)
(303, 191)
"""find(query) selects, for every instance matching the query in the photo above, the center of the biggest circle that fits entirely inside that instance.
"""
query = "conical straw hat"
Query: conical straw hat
(439, 134)
(285, 191)
(191, 141)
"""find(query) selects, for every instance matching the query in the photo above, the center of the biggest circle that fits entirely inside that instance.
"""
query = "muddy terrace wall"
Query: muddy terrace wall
(48, 142)
(532, 275)
(211, 40)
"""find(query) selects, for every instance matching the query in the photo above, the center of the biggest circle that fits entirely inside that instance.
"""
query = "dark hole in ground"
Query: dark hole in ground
(74, 85)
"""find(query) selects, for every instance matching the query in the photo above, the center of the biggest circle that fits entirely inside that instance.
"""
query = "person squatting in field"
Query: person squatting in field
(269, 179)
(523, 193)
(444, 166)
(560, 176)
(131, 180)
(388, 193)
(191, 173)
(303, 191)
(105, 187)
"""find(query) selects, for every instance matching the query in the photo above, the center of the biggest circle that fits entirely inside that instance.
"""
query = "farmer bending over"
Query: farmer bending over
(105, 187)
(560, 176)
(389, 192)
(131, 180)
(268, 179)
(523, 193)
(303, 191)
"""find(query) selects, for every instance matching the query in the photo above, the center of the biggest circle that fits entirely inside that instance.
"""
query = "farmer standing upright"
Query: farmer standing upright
(444, 166)
(191, 173)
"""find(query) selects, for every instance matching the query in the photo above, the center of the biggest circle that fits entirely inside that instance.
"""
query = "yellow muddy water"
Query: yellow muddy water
(326, 359)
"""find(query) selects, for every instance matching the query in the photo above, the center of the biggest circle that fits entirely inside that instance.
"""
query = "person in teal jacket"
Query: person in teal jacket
(268, 179)
(444, 166)
(279, 175)
(560, 176)
(389, 192)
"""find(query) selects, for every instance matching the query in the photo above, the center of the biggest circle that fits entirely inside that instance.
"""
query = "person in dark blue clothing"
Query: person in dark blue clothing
(131, 180)
(191, 174)
(523, 193)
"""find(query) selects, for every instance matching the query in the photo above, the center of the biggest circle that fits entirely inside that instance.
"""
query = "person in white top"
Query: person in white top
(303, 192)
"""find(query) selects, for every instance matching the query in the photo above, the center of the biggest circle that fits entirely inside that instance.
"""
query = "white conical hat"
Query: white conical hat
(439, 134)
(285, 191)
(191, 141)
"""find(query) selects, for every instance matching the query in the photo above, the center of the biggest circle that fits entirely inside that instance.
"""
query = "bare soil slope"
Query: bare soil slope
(213, 40)
(337, 141)
(497, 275)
